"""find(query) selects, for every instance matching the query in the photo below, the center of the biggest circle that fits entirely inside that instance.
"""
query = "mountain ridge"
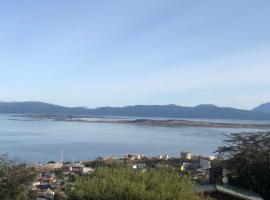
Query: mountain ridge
(265, 108)
(202, 111)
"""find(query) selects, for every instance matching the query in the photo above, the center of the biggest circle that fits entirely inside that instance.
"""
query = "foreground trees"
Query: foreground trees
(128, 184)
(247, 158)
(13, 180)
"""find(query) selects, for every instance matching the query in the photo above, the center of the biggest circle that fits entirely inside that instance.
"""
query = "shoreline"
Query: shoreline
(146, 122)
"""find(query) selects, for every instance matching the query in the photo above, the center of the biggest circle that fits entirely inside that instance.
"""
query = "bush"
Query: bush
(129, 184)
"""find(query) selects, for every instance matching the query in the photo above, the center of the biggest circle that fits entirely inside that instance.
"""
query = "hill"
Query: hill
(30, 107)
(168, 111)
(265, 108)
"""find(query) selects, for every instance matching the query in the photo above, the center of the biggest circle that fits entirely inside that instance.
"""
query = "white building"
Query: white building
(186, 155)
(205, 164)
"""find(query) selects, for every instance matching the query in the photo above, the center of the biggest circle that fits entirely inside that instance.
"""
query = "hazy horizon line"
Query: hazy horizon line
(122, 106)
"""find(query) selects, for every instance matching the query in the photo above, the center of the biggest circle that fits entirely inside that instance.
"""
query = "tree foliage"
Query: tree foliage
(247, 158)
(14, 178)
(128, 184)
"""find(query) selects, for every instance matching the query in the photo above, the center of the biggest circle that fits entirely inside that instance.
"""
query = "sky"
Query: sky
(123, 52)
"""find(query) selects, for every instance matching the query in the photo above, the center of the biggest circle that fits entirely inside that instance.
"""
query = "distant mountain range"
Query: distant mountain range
(204, 111)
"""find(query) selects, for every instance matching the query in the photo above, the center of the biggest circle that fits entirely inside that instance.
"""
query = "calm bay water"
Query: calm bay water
(43, 140)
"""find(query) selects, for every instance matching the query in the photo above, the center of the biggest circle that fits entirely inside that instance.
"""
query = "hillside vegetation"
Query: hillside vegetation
(128, 184)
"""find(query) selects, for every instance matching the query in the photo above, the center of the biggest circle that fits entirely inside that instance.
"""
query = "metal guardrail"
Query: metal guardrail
(229, 190)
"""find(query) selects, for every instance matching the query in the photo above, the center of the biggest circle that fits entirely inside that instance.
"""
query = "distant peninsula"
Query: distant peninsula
(152, 122)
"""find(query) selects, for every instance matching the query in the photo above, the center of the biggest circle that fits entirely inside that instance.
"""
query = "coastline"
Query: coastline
(146, 122)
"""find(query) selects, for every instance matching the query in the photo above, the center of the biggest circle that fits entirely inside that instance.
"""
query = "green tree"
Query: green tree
(14, 178)
(128, 184)
(246, 156)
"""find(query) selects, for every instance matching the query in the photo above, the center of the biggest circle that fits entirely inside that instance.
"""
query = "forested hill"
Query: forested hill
(171, 111)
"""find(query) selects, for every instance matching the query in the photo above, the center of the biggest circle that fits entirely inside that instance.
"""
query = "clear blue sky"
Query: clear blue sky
(99, 53)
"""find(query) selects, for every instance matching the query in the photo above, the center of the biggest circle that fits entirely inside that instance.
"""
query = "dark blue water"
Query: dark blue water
(43, 140)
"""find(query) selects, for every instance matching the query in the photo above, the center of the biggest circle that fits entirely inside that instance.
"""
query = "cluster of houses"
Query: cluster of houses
(141, 157)
(187, 162)
(54, 176)
(45, 185)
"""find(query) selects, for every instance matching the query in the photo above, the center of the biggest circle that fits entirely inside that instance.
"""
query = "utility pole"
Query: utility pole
(62, 155)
